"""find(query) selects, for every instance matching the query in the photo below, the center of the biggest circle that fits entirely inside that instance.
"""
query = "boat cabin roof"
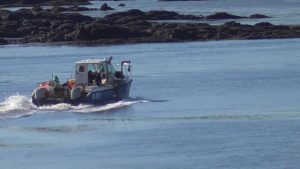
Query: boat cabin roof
(92, 61)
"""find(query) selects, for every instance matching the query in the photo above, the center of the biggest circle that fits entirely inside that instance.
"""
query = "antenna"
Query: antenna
(72, 72)
(109, 59)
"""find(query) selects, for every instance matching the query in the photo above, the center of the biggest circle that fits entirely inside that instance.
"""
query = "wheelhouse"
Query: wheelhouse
(99, 72)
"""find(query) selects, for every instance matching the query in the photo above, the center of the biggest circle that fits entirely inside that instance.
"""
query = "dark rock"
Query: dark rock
(281, 27)
(184, 33)
(31, 2)
(206, 32)
(66, 27)
(80, 8)
(19, 15)
(28, 30)
(160, 15)
(136, 14)
(56, 37)
(258, 16)
(10, 32)
(51, 25)
(231, 24)
(121, 5)
(37, 8)
(59, 9)
(223, 15)
(11, 24)
(130, 15)
(132, 12)
(4, 13)
(96, 31)
(105, 7)
(169, 15)
(3, 42)
(263, 24)
(36, 22)
(73, 17)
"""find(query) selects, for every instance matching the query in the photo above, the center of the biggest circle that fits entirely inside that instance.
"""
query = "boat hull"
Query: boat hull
(108, 95)
(101, 96)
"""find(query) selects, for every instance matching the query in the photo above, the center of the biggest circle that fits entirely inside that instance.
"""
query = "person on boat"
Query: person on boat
(90, 77)
(56, 82)
(98, 79)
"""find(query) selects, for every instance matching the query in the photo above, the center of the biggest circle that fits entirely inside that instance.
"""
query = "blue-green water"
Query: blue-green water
(280, 11)
(226, 104)
(204, 105)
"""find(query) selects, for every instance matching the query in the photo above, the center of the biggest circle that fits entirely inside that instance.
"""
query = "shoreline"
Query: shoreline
(71, 44)
(130, 27)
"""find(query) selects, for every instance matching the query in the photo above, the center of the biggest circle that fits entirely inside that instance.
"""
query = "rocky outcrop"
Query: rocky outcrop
(121, 5)
(3, 42)
(258, 16)
(48, 25)
(95, 31)
(39, 25)
(105, 7)
(264, 24)
(171, 15)
(135, 14)
(223, 15)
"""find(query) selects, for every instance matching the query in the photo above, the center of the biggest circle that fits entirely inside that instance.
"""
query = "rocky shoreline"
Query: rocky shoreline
(133, 26)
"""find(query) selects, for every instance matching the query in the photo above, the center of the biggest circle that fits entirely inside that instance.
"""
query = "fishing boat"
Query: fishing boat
(96, 82)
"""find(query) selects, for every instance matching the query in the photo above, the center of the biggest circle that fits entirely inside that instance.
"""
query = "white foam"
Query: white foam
(111, 106)
(15, 103)
(15, 107)
(57, 107)
(19, 106)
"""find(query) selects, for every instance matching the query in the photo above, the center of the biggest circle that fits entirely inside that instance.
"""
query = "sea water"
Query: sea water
(225, 104)
(216, 104)
(280, 11)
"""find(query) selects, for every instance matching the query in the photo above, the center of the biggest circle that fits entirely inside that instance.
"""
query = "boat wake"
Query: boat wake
(20, 106)
(16, 106)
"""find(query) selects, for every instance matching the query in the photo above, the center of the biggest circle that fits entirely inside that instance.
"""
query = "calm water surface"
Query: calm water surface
(281, 11)
(226, 104)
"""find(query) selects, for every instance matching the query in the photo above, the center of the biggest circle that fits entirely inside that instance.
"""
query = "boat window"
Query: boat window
(81, 68)
(101, 68)
(91, 67)
(111, 69)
